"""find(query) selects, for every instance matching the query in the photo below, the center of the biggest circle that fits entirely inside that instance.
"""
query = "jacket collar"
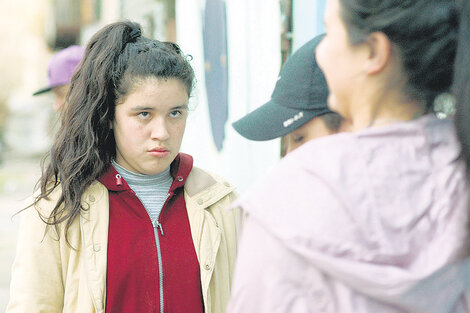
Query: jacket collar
(179, 170)
(203, 189)
(113, 181)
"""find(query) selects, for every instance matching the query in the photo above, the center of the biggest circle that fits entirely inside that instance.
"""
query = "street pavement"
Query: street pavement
(17, 179)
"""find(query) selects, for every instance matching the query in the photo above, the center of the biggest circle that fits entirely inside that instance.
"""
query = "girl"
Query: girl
(298, 109)
(374, 220)
(122, 221)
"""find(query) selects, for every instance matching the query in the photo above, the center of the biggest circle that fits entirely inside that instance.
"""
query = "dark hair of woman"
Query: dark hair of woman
(424, 35)
(462, 83)
(116, 58)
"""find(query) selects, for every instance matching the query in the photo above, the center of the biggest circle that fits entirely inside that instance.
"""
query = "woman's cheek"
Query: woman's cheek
(319, 54)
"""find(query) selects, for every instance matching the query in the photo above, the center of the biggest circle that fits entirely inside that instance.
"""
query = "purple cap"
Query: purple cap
(62, 66)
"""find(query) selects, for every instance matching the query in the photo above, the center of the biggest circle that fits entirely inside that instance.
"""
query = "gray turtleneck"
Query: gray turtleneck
(152, 190)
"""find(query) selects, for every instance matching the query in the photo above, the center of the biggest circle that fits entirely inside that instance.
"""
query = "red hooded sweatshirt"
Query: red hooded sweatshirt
(133, 280)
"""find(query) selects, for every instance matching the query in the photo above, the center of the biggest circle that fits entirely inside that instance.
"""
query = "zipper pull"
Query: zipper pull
(118, 180)
(156, 224)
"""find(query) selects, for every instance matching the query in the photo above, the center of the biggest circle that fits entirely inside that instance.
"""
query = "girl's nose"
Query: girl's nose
(159, 130)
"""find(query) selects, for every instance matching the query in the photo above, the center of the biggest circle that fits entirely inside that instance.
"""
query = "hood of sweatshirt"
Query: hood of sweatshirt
(383, 211)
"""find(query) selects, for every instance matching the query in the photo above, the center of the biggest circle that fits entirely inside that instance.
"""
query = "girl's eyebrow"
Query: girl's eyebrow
(142, 108)
(146, 108)
(182, 107)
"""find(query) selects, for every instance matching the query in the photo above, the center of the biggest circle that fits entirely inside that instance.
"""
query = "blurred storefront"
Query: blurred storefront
(248, 41)
(260, 35)
(23, 52)
(253, 38)
(155, 16)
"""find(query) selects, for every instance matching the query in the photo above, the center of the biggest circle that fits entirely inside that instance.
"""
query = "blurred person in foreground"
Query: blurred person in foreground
(60, 70)
(375, 220)
(462, 83)
(298, 107)
(122, 221)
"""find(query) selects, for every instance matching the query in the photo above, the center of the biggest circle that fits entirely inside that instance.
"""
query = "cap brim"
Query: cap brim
(47, 89)
(43, 90)
(272, 121)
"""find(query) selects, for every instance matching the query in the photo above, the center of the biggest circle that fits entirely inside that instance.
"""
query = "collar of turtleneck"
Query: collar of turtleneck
(135, 179)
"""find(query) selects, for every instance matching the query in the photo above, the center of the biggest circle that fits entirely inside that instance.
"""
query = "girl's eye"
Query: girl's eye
(175, 114)
(144, 115)
(298, 139)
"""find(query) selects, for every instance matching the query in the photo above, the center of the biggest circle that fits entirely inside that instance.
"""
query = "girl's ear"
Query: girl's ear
(379, 52)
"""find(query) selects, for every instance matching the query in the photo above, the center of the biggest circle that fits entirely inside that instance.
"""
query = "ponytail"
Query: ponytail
(462, 84)
(84, 144)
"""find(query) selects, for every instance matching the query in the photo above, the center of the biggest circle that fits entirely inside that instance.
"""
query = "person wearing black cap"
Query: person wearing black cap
(298, 109)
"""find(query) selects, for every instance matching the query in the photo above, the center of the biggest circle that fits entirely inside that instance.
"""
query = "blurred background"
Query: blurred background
(238, 48)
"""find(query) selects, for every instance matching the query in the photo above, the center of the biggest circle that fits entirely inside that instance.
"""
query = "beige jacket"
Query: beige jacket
(49, 276)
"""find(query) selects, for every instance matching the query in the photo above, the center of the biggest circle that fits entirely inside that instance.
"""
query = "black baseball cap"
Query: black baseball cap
(300, 94)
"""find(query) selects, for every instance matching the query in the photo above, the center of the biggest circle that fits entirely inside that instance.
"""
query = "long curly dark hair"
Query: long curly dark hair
(116, 58)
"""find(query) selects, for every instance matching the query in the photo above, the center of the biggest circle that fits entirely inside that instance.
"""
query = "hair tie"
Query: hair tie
(173, 46)
(134, 34)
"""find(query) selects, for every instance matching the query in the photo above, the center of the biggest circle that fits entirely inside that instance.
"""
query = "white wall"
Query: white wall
(307, 21)
(25, 56)
(254, 61)
(148, 13)
(110, 11)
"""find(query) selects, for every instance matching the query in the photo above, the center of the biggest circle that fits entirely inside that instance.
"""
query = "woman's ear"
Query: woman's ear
(379, 52)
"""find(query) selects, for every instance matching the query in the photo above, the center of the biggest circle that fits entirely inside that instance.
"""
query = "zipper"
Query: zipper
(156, 224)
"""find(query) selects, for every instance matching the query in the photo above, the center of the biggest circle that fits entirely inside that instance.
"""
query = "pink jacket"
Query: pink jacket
(361, 222)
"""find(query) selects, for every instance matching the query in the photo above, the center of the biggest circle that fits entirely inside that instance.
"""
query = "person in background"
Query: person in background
(374, 220)
(60, 69)
(461, 86)
(298, 109)
(122, 221)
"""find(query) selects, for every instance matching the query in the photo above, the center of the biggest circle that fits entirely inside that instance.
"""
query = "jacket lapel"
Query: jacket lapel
(202, 191)
(94, 231)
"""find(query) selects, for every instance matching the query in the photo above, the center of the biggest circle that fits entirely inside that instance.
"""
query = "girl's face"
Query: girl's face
(315, 128)
(149, 125)
(59, 93)
(340, 61)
